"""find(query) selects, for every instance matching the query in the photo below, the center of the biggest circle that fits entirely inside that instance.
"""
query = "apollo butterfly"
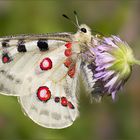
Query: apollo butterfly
(43, 70)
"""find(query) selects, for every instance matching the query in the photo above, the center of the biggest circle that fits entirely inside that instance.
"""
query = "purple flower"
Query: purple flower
(114, 60)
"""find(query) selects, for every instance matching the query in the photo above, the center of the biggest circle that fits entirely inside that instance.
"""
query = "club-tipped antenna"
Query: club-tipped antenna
(75, 24)
(65, 16)
(76, 17)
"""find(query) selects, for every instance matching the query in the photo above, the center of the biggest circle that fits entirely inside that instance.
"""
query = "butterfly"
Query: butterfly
(42, 71)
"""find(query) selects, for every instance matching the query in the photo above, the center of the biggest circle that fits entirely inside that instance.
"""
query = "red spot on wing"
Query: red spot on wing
(68, 52)
(70, 105)
(46, 64)
(64, 101)
(68, 44)
(67, 63)
(5, 58)
(43, 93)
(71, 71)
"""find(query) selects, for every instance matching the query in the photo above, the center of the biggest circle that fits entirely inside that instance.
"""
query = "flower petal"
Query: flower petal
(113, 95)
(112, 81)
(109, 41)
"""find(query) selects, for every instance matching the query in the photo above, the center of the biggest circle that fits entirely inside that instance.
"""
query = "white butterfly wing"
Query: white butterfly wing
(42, 70)
(45, 79)
(56, 108)
(20, 57)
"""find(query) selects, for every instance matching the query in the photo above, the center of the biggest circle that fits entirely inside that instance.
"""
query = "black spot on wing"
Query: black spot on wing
(5, 43)
(10, 77)
(21, 47)
(43, 45)
(2, 71)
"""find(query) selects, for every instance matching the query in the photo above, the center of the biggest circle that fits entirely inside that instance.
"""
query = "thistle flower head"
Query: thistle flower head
(114, 60)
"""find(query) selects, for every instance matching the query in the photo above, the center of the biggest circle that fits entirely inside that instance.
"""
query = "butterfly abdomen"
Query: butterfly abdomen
(94, 87)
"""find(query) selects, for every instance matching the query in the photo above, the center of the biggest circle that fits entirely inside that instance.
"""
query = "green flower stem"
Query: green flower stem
(137, 62)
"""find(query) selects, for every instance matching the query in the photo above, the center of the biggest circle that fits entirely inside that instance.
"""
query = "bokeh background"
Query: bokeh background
(103, 121)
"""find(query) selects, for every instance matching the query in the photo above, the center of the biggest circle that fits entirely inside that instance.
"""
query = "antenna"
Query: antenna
(76, 17)
(75, 24)
(65, 16)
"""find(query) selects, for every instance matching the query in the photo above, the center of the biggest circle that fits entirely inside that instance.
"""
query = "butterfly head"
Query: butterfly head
(83, 28)
(83, 34)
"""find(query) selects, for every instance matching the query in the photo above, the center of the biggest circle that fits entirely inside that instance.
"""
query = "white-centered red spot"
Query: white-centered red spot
(43, 93)
(46, 64)
(68, 44)
(64, 101)
(71, 71)
(68, 52)
(70, 105)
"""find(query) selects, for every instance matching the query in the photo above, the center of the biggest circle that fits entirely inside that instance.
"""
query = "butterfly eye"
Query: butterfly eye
(83, 30)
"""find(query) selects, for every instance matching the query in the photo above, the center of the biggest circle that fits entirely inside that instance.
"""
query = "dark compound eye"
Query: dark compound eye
(83, 30)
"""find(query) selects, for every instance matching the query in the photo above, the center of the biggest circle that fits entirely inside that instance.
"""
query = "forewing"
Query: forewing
(21, 57)
(43, 73)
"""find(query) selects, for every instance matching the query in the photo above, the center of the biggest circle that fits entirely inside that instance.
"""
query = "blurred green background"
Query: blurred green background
(103, 121)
